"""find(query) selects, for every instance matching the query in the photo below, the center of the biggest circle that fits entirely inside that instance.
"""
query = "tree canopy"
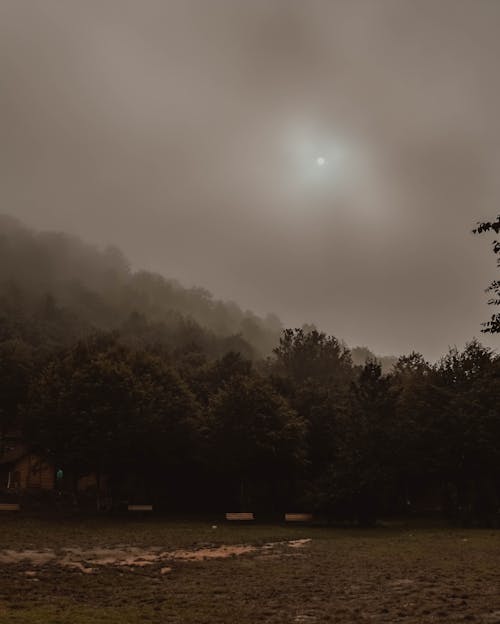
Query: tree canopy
(493, 325)
(109, 380)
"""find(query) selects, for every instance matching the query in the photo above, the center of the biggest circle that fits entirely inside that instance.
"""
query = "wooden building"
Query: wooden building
(22, 469)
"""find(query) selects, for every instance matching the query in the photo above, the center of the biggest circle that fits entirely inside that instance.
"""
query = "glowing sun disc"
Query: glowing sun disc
(321, 161)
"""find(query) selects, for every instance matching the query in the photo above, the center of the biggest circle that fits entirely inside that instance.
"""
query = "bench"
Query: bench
(140, 508)
(298, 517)
(10, 507)
(239, 516)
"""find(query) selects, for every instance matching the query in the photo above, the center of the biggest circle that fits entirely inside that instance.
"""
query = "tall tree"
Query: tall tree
(493, 325)
(469, 428)
(303, 355)
(255, 438)
(361, 480)
(16, 370)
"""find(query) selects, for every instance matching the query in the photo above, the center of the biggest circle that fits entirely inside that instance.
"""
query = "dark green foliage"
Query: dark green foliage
(303, 355)
(16, 372)
(196, 432)
(104, 408)
(469, 384)
(493, 325)
(161, 391)
(418, 440)
(255, 439)
(361, 479)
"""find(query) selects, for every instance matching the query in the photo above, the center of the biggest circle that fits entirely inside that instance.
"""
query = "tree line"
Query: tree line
(303, 429)
(101, 376)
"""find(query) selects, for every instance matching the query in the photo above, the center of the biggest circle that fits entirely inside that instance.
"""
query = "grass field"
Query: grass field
(132, 570)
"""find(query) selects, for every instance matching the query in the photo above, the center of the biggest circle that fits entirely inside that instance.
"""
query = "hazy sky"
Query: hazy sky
(187, 132)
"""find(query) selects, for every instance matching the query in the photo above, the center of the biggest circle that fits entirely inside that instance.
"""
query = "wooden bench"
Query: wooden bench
(298, 517)
(238, 516)
(10, 507)
(140, 507)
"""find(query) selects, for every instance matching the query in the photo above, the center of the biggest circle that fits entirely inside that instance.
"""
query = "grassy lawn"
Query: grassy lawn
(383, 575)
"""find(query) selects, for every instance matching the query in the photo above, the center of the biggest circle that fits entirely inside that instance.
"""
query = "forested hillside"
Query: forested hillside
(168, 394)
(62, 288)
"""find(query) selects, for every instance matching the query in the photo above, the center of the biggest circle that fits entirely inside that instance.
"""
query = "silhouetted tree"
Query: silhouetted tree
(255, 439)
(493, 325)
(312, 354)
(361, 480)
(469, 429)
(17, 364)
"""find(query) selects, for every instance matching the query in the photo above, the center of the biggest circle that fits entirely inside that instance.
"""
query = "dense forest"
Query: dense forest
(197, 405)
(64, 288)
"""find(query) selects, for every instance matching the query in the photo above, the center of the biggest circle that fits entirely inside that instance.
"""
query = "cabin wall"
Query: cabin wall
(32, 472)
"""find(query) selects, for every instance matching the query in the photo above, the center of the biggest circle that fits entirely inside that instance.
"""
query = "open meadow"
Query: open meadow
(156, 570)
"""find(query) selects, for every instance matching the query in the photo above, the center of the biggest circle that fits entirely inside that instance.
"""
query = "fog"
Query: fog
(186, 133)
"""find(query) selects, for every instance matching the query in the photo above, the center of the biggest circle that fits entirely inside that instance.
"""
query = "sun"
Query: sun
(321, 161)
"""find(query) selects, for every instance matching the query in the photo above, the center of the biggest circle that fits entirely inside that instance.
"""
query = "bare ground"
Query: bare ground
(125, 556)
(170, 573)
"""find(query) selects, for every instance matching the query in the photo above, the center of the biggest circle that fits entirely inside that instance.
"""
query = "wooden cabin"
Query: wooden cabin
(22, 469)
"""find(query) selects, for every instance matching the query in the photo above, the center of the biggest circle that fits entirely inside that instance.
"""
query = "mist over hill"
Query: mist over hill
(53, 273)
(59, 285)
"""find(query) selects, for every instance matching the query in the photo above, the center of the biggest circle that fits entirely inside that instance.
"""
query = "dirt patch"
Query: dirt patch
(298, 543)
(86, 561)
(220, 552)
